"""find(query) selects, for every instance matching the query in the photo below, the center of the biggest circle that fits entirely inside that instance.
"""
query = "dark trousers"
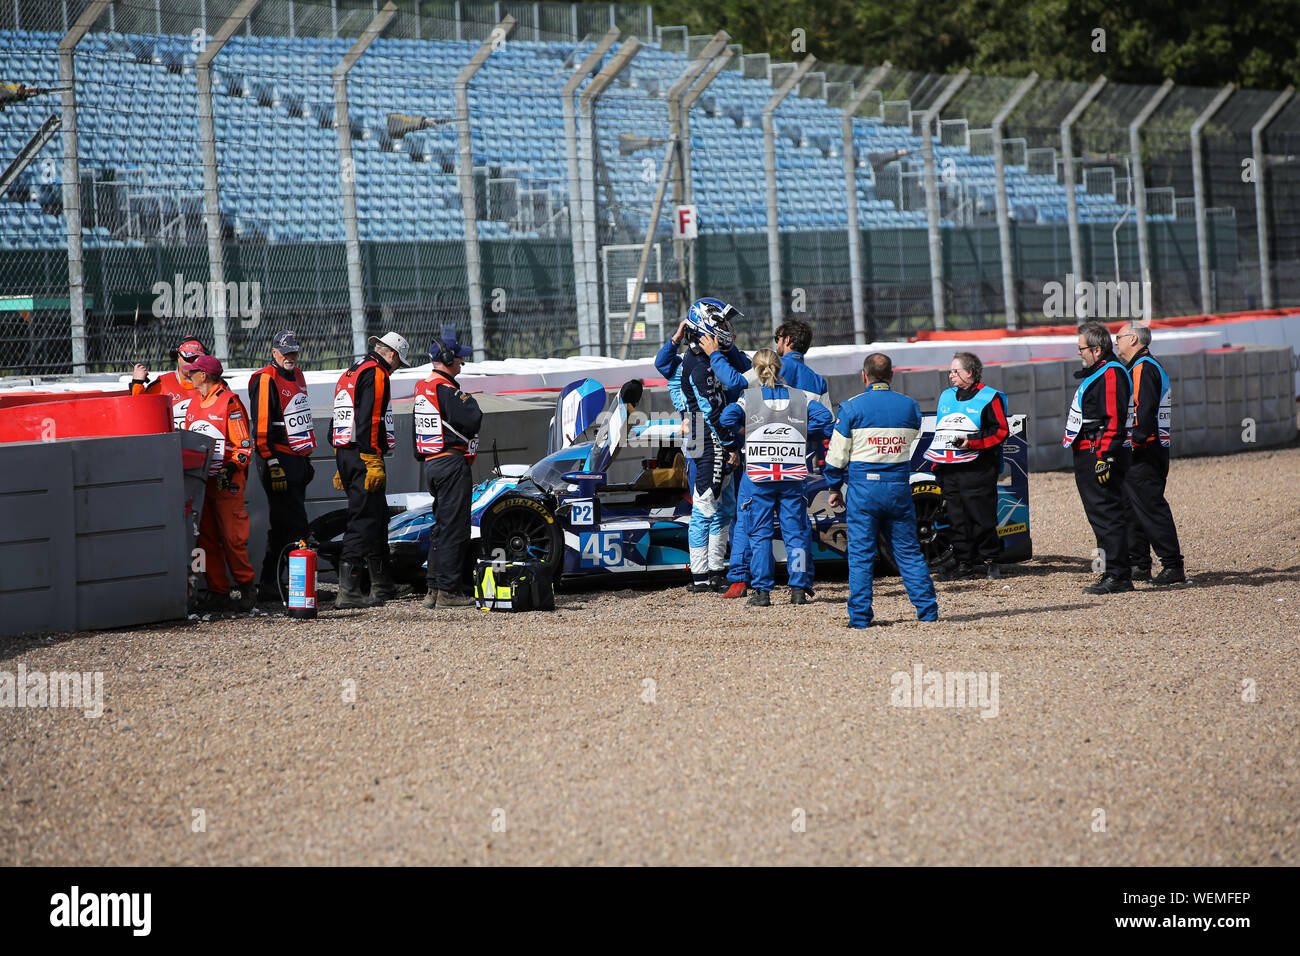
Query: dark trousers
(1104, 505)
(1150, 522)
(367, 532)
(970, 497)
(288, 509)
(448, 479)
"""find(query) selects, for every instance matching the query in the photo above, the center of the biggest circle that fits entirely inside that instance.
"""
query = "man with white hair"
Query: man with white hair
(362, 434)
(1150, 520)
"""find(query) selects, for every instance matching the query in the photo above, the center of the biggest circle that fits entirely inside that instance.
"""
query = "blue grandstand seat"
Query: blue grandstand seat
(280, 172)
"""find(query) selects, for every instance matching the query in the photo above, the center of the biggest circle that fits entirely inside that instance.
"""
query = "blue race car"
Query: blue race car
(620, 503)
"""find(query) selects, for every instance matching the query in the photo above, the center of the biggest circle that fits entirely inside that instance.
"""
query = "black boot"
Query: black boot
(350, 594)
(1141, 574)
(1173, 574)
(382, 585)
(247, 599)
(962, 572)
(1109, 584)
(759, 599)
(718, 582)
(212, 602)
(798, 596)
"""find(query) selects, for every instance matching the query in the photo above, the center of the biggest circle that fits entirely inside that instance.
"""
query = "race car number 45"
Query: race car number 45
(600, 549)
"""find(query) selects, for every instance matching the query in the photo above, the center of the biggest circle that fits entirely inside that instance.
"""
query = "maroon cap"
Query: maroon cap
(209, 364)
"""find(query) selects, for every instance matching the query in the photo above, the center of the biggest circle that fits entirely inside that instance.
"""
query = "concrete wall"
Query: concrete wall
(93, 533)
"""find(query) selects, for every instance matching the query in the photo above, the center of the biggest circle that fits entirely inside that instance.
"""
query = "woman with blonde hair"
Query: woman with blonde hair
(781, 426)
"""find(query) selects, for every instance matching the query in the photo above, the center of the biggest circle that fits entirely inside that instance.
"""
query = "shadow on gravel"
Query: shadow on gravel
(12, 645)
(1202, 579)
(1050, 564)
(1013, 612)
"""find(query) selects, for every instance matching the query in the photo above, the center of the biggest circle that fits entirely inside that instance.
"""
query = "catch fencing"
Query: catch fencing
(507, 168)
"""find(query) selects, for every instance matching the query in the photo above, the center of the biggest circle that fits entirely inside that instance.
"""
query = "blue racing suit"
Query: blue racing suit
(871, 447)
(764, 501)
(797, 374)
(697, 393)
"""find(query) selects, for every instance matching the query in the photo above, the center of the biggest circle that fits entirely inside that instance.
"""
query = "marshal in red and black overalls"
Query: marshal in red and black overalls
(446, 423)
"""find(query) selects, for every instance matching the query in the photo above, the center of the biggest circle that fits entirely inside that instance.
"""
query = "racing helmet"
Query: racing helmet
(714, 317)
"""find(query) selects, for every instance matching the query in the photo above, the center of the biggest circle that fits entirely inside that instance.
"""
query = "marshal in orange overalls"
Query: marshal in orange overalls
(223, 528)
(174, 387)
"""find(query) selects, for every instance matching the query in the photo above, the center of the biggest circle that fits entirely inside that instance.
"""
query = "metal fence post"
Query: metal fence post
(1067, 155)
(585, 320)
(851, 198)
(211, 198)
(677, 126)
(769, 171)
(1261, 208)
(72, 182)
(932, 196)
(1000, 186)
(684, 144)
(670, 155)
(468, 197)
(1140, 191)
(587, 168)
(688, 99)
(1198, 195)
(348, 175)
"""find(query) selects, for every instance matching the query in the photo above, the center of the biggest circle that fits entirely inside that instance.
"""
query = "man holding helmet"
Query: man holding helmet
(966, 451)
(362, 435)
(700, 397)
(446, 422)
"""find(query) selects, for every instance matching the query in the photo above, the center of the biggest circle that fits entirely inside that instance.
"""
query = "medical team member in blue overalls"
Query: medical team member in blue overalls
(697, 393)
(781, 426)
(792, 340)
(871, 449)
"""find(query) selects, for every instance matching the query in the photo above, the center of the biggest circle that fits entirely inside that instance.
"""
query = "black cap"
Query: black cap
(285, 341)
(447, 349)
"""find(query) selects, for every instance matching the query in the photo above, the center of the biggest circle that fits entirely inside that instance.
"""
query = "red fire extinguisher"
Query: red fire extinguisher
(302, 582)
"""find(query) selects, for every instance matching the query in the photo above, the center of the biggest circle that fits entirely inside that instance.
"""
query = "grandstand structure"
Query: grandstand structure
(525, 257)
